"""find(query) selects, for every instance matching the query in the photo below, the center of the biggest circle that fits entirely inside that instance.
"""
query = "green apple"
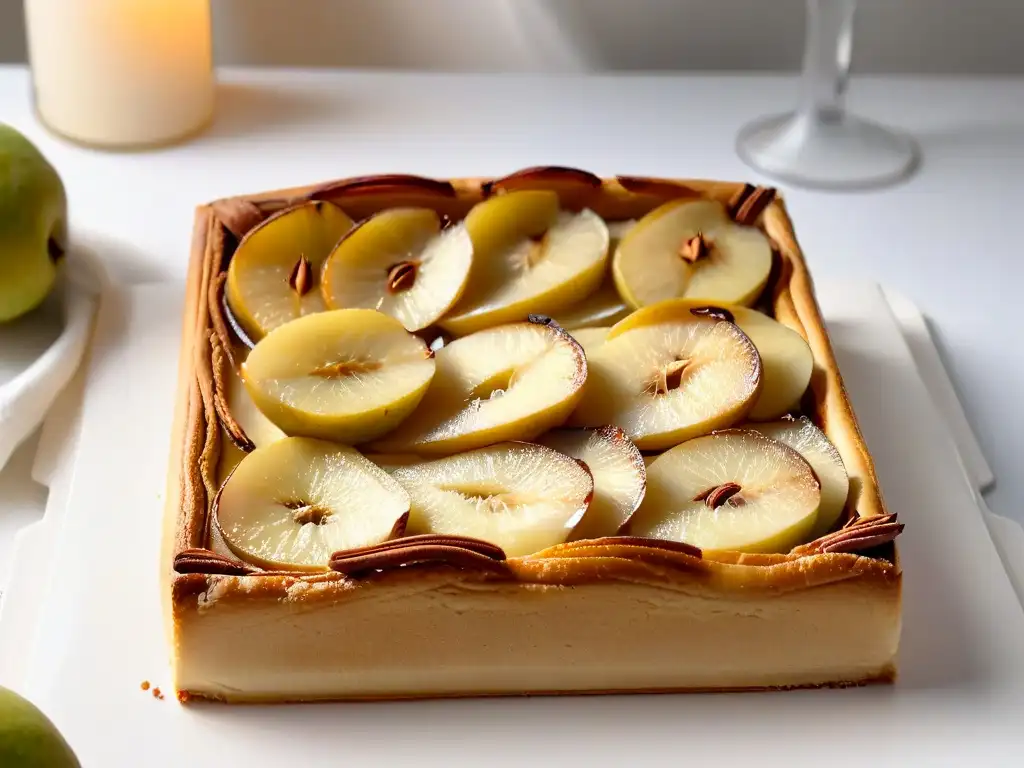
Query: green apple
(33, 224)
(28, 739)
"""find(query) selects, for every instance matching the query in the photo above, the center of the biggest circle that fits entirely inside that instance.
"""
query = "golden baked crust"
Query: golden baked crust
(206, 589)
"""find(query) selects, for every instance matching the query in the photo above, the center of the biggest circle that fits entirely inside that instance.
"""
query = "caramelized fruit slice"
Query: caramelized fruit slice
(402, 263)
(735, 490)
(293, 503)
(521, 497)
(529, 258)
(590, 338)
(786, 358)
(364, 196)
(348, 375)
(576, 189)
(619, 476)
(691, 249)
(810, 442)
(601, 308)
(667, 382)
(513, 382)
(274, 275)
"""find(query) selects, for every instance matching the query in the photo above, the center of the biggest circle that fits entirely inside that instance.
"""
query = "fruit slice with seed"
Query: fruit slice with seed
(619, 476)
(664, 383)
(293, 503)
(274, 275)
(348, 375)
(691, 249)
(810, 442)
(528, 258)
(735, 490)
(519, 496)
(513, 382)
(408, 263)
(786, 357)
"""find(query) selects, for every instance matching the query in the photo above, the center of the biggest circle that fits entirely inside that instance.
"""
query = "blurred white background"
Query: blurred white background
(906, 36)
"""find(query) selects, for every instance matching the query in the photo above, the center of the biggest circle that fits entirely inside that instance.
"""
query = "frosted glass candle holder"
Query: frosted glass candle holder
(121, 73)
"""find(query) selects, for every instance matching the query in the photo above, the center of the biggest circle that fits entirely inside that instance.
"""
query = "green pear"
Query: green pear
(28, 739)
(33, 224)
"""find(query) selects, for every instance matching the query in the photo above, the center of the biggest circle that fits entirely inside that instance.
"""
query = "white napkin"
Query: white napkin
(25, 399)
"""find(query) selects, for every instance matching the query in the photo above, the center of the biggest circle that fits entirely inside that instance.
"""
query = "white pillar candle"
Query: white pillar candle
(121, 73)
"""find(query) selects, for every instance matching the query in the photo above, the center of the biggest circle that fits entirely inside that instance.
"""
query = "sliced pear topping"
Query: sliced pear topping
(293, 503)
(590, 338)
(786, 358)
(735, 490)
(810, 442)
(529, 258)
(409, 263)
(348, 375)
(273, 275)
(604, 307)
(619, 476)
(691, 249)
(664, 383)
(513, 382)
(518, 496)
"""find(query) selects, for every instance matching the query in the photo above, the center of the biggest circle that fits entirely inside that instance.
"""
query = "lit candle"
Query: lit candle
(121, 73)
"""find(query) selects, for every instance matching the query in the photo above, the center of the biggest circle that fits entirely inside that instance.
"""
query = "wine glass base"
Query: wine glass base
(847, 153)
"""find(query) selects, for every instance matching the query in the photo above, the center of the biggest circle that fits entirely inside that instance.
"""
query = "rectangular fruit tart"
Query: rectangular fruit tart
(548, 433)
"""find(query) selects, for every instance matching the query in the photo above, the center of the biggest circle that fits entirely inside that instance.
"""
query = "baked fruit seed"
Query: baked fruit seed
(665, 382)
(292, 504)
(786, 358)
(404, 262)
(518, 496)
(734, 490)
(691, 249)
(619, 476)
(529, 257)
(274, 274)
(348, 375)
(513, 382)
(810, 442)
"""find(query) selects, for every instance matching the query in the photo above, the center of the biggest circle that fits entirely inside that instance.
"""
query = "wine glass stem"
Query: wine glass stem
(829, 41)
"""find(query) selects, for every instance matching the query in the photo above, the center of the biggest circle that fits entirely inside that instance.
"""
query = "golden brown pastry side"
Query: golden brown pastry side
(847, 588)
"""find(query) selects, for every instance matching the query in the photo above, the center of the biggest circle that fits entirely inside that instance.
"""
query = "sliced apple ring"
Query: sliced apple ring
(348, 375)
(518, 496)
(735, 490)
(664, 383)
(529, 258)
(786, 358)
(810, 442)
(619, 476)
(292, 504)
(513, 382)
(274, 275)
(403, 262)
(691, 249)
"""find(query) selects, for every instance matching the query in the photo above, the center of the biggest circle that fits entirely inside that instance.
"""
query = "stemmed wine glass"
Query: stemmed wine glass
(821, 144)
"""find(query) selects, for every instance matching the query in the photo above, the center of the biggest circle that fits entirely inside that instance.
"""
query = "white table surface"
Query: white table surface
(944, 239)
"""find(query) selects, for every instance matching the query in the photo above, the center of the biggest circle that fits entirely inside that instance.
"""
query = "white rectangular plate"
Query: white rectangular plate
(96, 632)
